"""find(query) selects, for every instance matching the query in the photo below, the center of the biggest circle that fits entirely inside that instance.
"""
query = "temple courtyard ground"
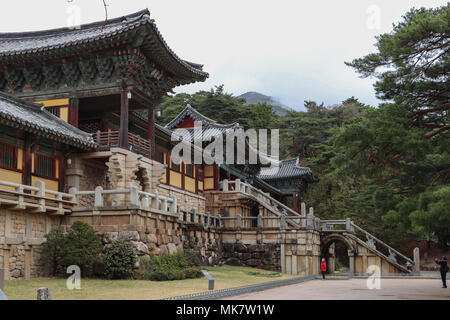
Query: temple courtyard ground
(354, 289)
(101, 289)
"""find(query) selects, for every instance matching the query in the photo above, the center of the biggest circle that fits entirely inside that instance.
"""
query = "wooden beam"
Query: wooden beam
(124, 104)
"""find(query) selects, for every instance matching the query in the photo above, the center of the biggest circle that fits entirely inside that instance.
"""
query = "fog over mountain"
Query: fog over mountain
(256, 97)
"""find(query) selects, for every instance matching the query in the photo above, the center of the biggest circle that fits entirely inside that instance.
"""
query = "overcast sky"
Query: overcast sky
(290, 49)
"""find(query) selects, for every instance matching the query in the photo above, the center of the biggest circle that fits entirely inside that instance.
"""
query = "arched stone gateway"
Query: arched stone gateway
(361, 254)
(327, 250)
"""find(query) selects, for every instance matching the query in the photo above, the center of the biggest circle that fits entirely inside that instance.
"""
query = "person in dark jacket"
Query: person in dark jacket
(443, 269)
(323, 268)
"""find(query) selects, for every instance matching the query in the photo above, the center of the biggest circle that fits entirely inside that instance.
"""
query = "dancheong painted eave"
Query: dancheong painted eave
(35, 119)
(136, 30)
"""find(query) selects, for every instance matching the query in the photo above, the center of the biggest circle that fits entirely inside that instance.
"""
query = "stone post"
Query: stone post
(237, 185)
(44, 294)
(351, 262)
(174, 205)
(73, 191)
(416, 260)
(145, 203)
(239, 221)
(208, 220)
(155, 202)
(194, 216)
(283, 222)
(2, 279)
(134, 196)
(260, 221)
(225, 185)
(41, 193)
(99, 201)
(303, 213)
(348, 225)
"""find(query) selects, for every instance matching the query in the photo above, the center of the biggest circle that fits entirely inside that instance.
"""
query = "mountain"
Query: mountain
(256, 97)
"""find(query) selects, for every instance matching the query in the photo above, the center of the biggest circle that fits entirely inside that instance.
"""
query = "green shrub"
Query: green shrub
(53, 251)
(193, 272)
(82, 247)
(172, 267)
(120, 260)
(192, 258)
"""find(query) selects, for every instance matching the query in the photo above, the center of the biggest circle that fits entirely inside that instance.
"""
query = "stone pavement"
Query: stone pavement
(354, 289)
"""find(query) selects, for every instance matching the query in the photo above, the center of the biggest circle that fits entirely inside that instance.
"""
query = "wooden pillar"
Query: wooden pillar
(216, 176)
(74, 110)
(196, 177)
(294, 202)
(26, 176)
(124, 104)
(151, 130)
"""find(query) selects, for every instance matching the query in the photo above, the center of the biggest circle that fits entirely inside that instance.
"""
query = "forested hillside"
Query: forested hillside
(387, 166)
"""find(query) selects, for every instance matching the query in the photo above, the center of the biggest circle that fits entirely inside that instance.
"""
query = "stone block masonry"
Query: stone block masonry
(21, 236)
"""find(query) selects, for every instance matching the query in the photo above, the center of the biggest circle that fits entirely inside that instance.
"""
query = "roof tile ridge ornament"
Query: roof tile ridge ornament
(141, 15)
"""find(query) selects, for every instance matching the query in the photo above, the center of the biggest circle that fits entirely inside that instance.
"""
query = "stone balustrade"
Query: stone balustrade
(35, 198)
(133, 198)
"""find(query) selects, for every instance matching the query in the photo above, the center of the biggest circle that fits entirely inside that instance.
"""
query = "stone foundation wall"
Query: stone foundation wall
(263, 256)
(21, 236)
(150, 233)
(206, 244)
(186, 200)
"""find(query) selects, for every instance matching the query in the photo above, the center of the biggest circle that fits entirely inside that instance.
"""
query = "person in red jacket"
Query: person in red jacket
(323, 267)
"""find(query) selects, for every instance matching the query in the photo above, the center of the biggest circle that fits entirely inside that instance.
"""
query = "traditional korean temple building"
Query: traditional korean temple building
(95, 76)
(74, 146)
(290, 179)
(34, 143)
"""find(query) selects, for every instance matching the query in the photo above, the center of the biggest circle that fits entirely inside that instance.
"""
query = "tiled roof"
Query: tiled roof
(210, 127)
(33, 118)
(49, 41)
(287, 169)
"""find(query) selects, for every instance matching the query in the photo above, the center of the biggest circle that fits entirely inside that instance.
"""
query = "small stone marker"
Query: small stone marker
(2, 279)
(210, 280)
(3, 296)
(44, 294)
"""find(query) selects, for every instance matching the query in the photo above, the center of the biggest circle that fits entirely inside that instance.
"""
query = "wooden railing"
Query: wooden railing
(35, 198)
(106, 140)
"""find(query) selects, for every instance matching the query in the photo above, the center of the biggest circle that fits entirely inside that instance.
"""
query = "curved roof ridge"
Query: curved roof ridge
(129, 18)
(195, 114)
(31, 43)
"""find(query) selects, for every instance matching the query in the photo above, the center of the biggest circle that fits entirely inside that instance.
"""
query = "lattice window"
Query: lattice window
(8, 156)
(45, 166)
(175, 167)
(54, 110)
(190, 170)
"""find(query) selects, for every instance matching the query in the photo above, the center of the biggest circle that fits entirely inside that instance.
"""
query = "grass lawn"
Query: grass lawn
(96, 289)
